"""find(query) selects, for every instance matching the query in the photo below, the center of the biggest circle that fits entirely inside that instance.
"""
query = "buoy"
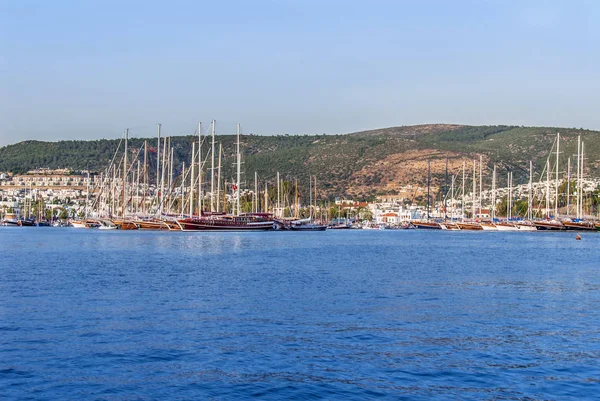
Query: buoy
(578, 237)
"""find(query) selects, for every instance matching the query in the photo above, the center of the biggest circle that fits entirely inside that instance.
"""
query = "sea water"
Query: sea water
(341, 314)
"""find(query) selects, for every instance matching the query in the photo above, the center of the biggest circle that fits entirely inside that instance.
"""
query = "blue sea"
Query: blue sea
(335, 315)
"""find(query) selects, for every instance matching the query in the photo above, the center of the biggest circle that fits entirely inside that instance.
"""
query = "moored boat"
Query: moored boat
(427, 225)
(579, 225)
(471, 226)
(245, 222)
(549, 225)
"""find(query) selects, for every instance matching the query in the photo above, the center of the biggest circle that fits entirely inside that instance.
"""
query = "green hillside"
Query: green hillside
(359, 164)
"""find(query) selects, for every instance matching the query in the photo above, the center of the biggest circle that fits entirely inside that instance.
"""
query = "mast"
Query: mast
(158, 167)
(452, 201)
(278, 196)
(480, 182)
(212, 170)
(315, 197)
(297, 204)
(266, 197)
(581, 214)
(192, 183)
(474, 188)
(87, 192)
(145, 186)
(256, 192)
(124, 174)
(494, 193)
(239, 162)
(171, 173)
(182, 189)
(530, 195)
(568, 185)
(510, 191)
(446, 191)
(548, 188)
(428, 184)
(556, 184)
(162, 175)
(310, 196)
(462, 203)
(219, 181)
(137, 189)
(199, 169)
(578, 173)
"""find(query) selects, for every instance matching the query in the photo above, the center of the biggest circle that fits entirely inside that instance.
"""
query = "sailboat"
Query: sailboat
(228, 222)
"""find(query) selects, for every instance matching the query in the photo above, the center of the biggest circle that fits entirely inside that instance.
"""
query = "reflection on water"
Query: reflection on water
(334, 315)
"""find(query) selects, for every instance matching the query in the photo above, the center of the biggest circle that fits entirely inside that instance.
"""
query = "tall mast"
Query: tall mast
(182, 188)
(219, 180)
(494, 193)
(462, 203)
(256, 192)
(137, 189)
(510, 192)
(578, 172)
(87, 192)
(239, 162)
(158, 167)
(315, 197)
(310, 196)
(446, 191)
(530, 195)
(428, 184)
(171, 161)
(192, 183)
(474, 188)
(581, 213)
(548, 188)
(266, 197)
(296, 203)
(162, 175)
(212, 170)
(568, 185)
(556, 184)
(480, 182)
(200, 169)
(278, 196)
(145, 186)
(124, 174)
(452, 201)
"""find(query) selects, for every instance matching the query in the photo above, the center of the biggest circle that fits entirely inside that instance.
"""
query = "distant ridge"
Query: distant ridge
(360, 164)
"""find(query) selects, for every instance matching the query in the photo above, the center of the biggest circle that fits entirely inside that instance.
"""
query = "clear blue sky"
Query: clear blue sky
(90, 69)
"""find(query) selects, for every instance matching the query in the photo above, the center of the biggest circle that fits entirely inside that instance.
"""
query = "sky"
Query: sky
(91, 69)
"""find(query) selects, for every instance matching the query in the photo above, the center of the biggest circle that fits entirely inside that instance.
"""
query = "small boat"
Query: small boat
(306, 225)
(78, 224)
(29, 222)
(10, 219)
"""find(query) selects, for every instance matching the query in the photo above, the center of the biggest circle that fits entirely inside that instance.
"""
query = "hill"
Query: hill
(360, 164)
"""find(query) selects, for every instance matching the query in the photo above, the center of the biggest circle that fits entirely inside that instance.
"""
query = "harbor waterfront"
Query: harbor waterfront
(340, 314)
